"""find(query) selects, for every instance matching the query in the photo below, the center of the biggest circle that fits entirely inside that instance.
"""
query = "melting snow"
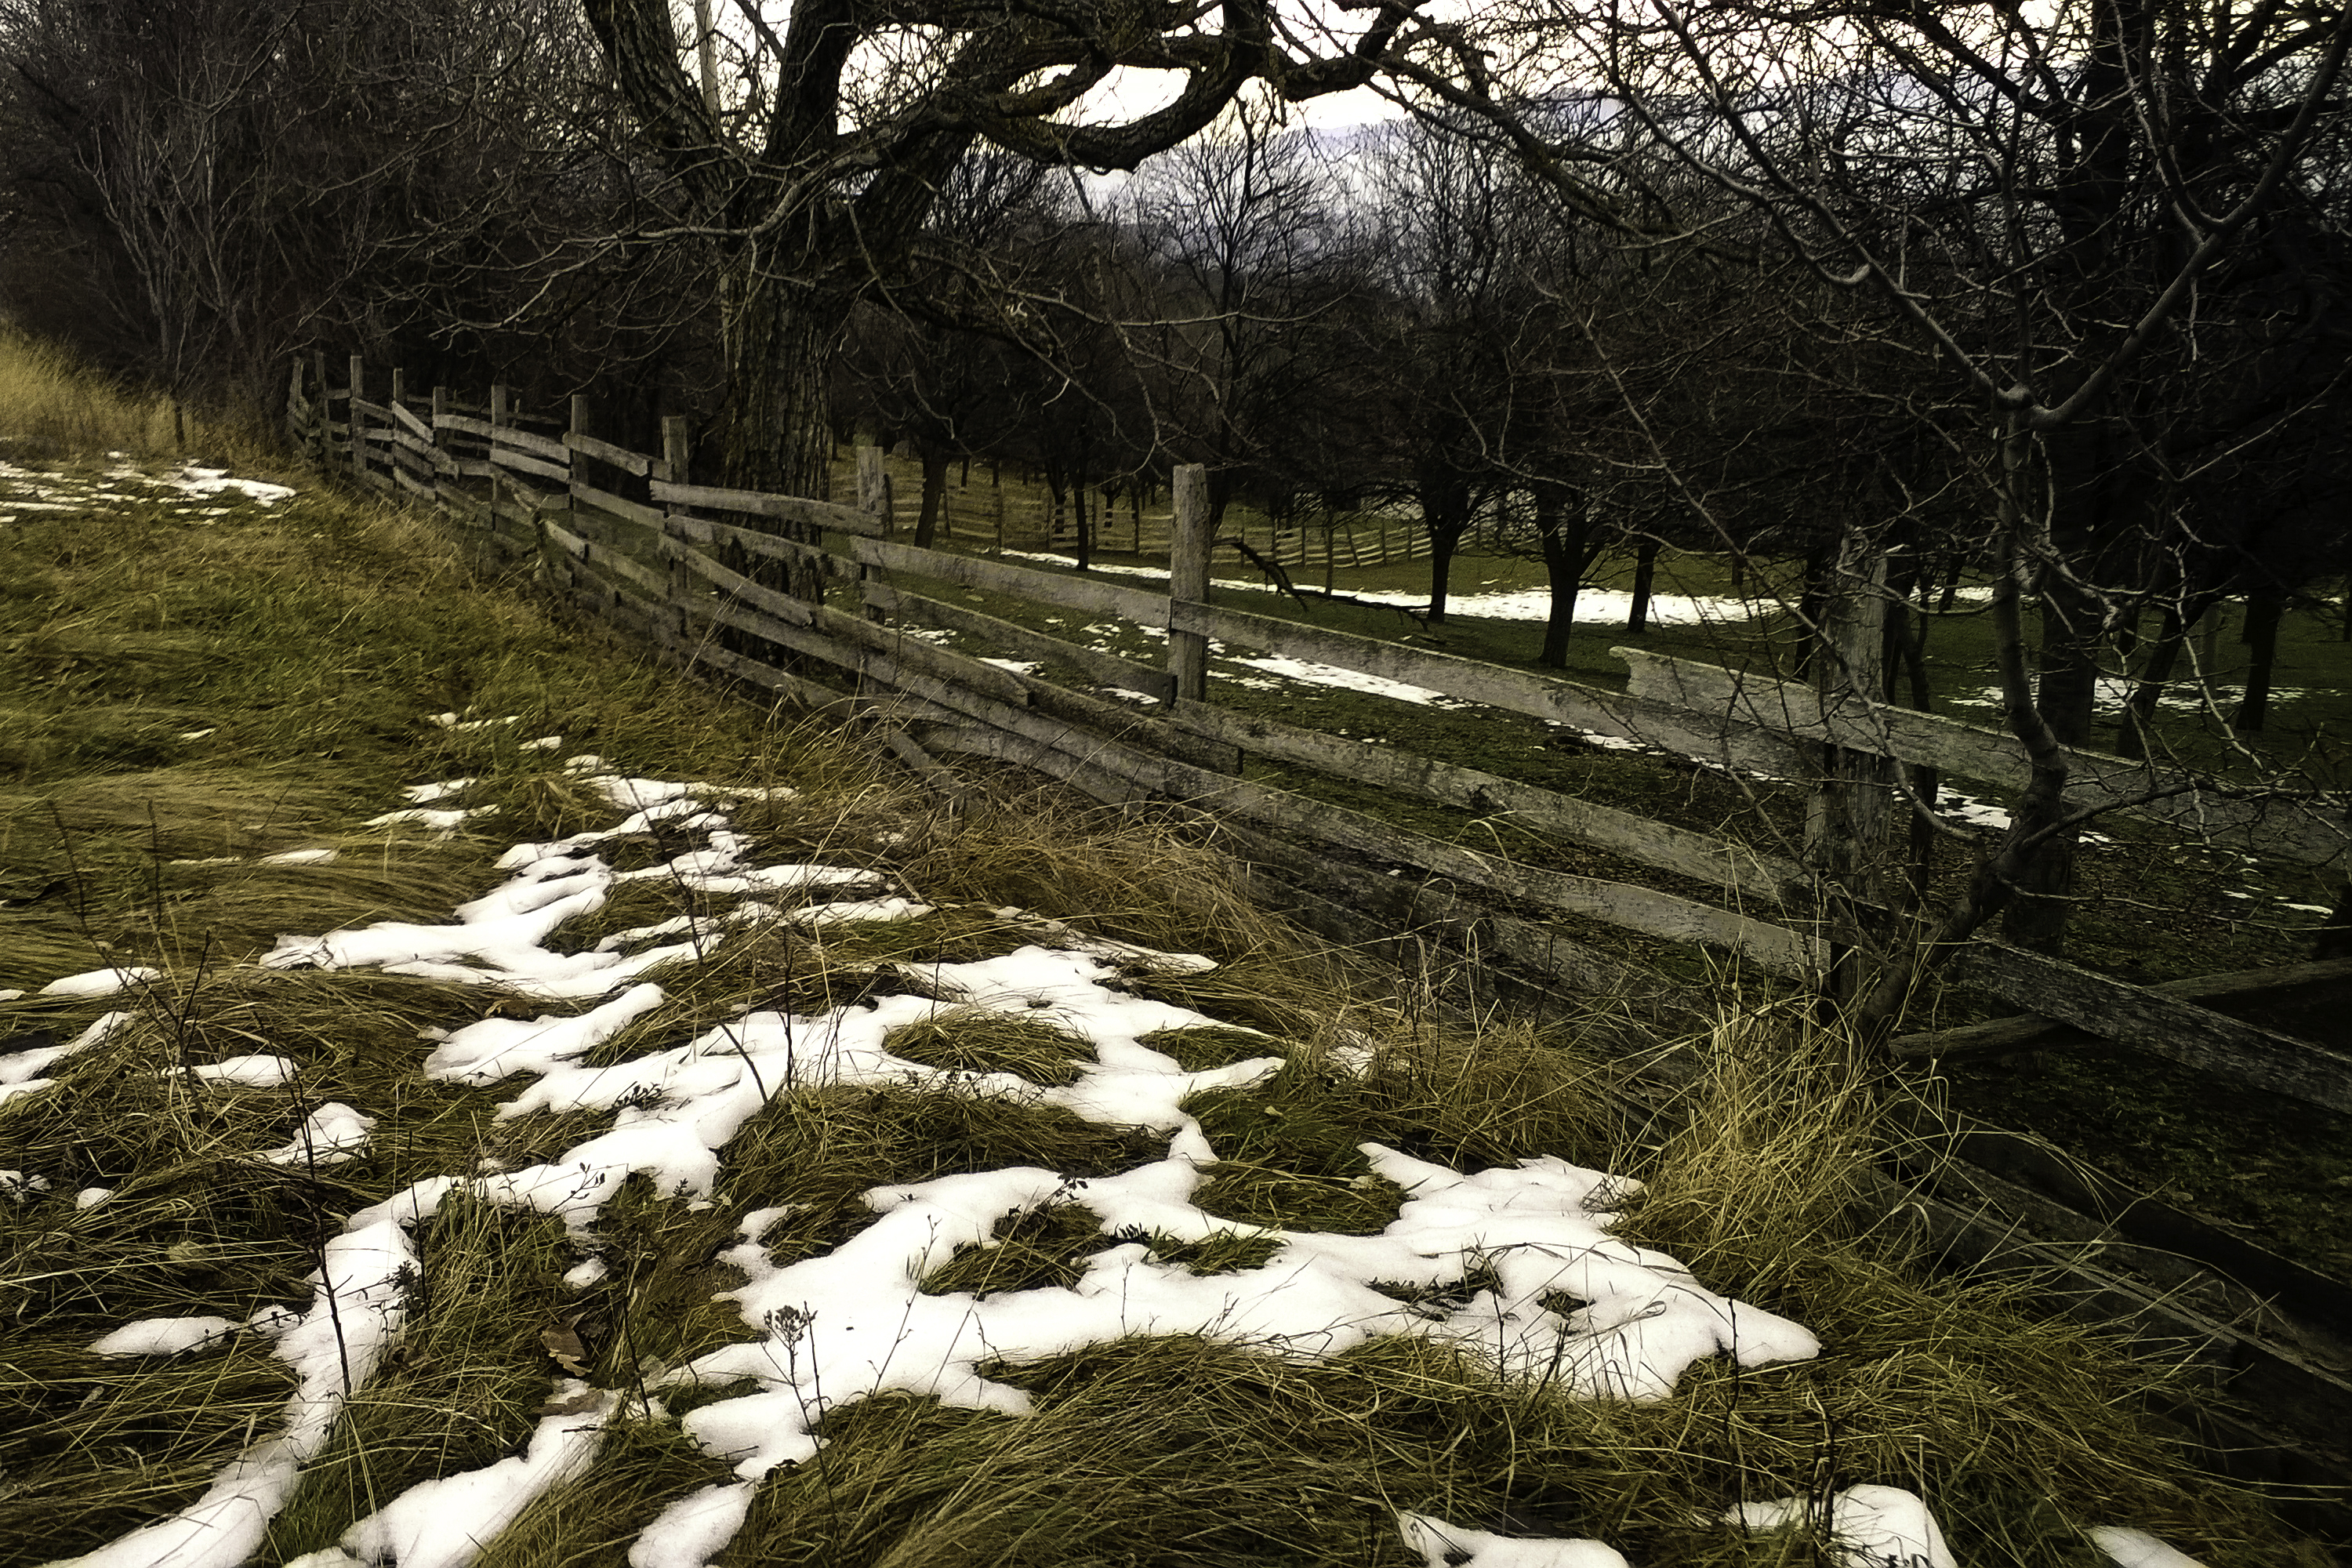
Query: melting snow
(101, 982)
(1444, 1545)
(1872, 1526)
(329, 1135)
(2139, 1549)
(166, 1336)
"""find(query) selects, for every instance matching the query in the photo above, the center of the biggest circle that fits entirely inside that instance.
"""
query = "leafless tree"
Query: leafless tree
(2092, 247)
(229, 180)
(810, 179)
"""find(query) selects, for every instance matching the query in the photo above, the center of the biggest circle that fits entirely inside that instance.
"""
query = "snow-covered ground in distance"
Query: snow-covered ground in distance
(27, 490)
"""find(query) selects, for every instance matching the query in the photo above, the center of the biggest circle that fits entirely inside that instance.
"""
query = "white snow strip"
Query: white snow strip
(197, 482)
(2139, 1549)
(1593, 605)
(442, 820)
(860, 910)
(260, 1071)
(1871, 1526)
(494, 1049)
(21, 1067)
(426, 793)
(446, 1523)
(101, 982)
(334, 1347)
(853, 1321)
(303, 857)
(1444, 1545)
(166, 1336)
(1314, 674)
(690, 1531)
(329, 1135)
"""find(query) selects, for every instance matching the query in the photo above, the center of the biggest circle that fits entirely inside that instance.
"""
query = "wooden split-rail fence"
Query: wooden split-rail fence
(699, 571)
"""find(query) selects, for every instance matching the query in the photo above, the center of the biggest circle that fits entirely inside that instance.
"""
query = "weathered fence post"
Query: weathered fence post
(874, 485)
(293, 395)
(1188, 580)
(501, 415)
(358, 420)
(326, 410)
(399, 385)
(676, 454)
(874, 500)
(440, 440)
(1846, 819)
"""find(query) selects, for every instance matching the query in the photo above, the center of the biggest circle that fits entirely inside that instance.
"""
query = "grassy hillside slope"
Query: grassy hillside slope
(551, 1174)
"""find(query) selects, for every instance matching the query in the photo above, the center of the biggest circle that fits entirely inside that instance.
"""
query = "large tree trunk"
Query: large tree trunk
(1564, 558)
(775, 427)
(1445, 512)
(2263, 612)
(1646, 576)
(935, 488)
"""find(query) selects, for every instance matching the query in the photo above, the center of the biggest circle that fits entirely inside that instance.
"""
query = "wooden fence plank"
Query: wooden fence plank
(417, 426)
(1136, 604)
(1737, 869)
(471, 507)
(688, 533)
(636, 463)
(516, 462)
(756, 503)
(533, 501)
(910, 664)
(553, 451)
(458, 422)
(1400, 907)
(2162, 1026)
(604, 558)
(783, 607)
(1107, 670)
(981, 739)
(2031, 1031)
(1668, 725)
(619, 506)
(1189, 542)
(1616, 903)
(2285, 828)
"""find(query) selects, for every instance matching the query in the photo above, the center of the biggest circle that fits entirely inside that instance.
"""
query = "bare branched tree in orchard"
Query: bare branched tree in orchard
(195, 187)
(1463, 332)
(1247, 227)
(2101, 248)
(814, 180)
(932, 357)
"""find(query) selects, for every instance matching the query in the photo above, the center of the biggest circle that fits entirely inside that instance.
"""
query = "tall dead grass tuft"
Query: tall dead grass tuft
(57, 408)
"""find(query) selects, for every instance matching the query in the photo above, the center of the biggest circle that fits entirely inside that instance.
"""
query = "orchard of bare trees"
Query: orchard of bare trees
(2045, 300)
